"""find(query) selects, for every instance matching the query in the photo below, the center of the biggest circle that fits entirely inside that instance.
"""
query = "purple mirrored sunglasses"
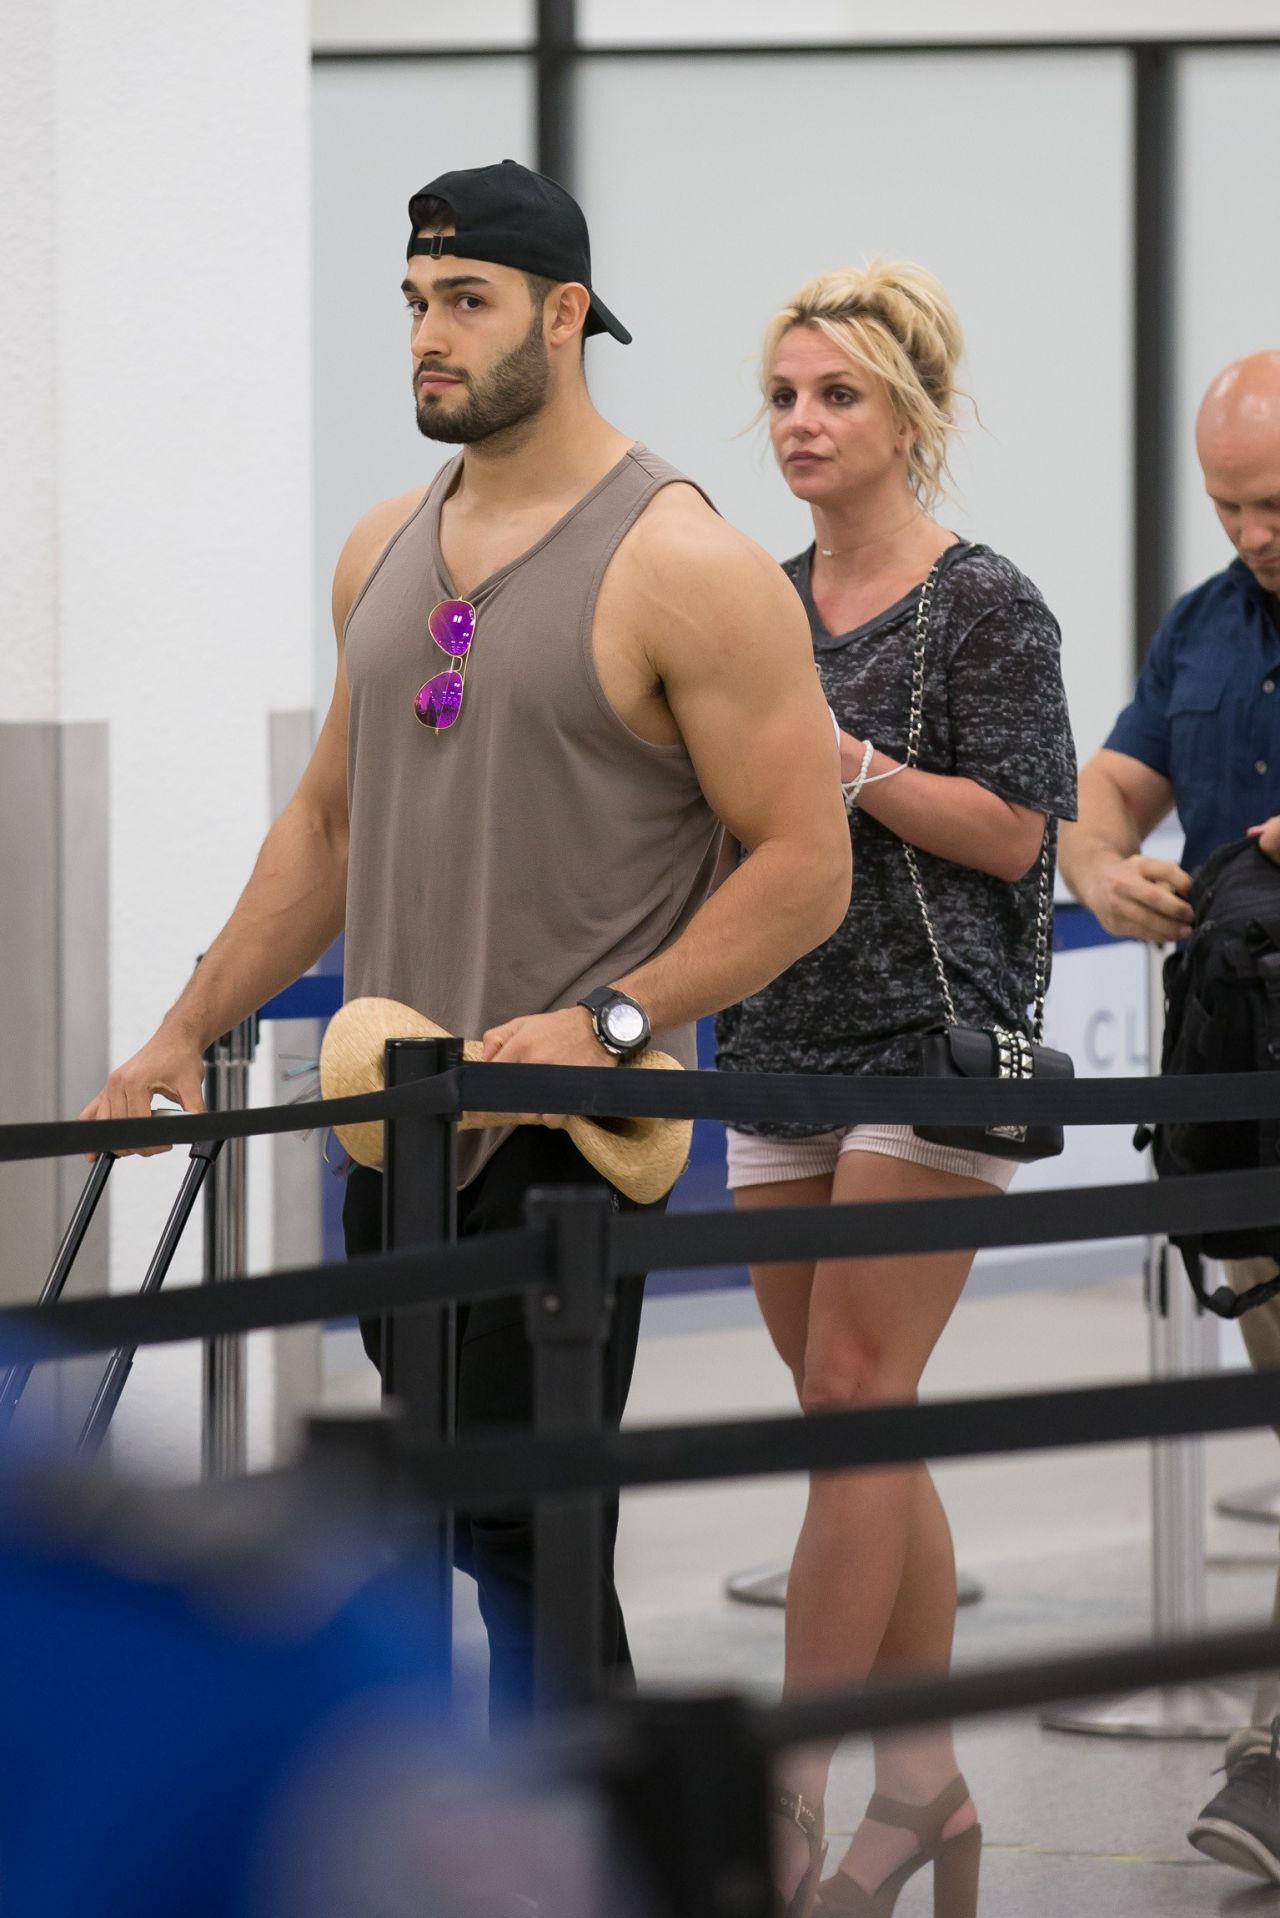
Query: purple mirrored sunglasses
(452, 625)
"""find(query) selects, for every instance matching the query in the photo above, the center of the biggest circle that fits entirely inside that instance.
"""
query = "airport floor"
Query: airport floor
(1060, 1544)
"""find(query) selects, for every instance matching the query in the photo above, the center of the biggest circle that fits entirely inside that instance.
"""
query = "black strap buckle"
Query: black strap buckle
(432, 246)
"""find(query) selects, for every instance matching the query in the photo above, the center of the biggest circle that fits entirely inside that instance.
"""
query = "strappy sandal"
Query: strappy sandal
(808, 1820)
(956, 1861)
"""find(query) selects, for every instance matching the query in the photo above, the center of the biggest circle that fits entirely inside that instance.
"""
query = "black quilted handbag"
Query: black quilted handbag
(954, 1051)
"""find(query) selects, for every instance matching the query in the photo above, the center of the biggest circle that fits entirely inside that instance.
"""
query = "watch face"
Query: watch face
(624, 1024)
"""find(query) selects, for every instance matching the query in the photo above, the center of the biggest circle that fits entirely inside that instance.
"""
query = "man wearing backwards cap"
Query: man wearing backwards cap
(558, 671)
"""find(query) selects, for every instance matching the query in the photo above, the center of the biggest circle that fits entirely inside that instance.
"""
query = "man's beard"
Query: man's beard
(509, 394)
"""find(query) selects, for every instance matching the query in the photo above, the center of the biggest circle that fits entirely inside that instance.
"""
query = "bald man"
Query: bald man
(1203, 736)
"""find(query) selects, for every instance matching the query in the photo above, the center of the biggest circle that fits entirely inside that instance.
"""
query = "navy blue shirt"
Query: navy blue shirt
(1206, 710)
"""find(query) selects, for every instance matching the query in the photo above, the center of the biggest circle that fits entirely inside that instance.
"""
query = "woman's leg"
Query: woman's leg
(782, 1292)
(914, 1765)
(873, 1578)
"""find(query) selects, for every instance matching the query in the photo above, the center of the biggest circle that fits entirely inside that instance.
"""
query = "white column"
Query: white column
(156, 509)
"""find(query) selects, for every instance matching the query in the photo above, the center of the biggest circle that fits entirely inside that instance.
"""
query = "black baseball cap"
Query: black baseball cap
(513, 217)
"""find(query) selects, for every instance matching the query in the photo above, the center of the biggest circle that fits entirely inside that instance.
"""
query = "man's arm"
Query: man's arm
(726, 638)
(729, 641)
(1121, 801)
(293, 906)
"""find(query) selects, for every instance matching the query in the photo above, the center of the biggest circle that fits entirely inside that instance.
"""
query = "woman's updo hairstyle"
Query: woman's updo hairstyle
(894, 318)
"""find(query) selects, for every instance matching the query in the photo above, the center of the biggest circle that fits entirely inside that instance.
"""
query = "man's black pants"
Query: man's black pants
(495, 1388)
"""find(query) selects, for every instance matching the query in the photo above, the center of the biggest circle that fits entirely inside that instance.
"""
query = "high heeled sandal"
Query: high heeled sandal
(809, 1822)
(956, 1861)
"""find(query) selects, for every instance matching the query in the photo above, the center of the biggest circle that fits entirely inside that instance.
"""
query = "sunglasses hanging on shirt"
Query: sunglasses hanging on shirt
(452, 625)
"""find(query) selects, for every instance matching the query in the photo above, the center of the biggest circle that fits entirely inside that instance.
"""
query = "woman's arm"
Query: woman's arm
(1010, 732)
(951, 817)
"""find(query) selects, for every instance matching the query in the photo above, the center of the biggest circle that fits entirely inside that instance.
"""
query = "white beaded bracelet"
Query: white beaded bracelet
(854, 786)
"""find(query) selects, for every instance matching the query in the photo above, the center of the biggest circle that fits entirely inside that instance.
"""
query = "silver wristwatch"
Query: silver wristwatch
(621, 1026)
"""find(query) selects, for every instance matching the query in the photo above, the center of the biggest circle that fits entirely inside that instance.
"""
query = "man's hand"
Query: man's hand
(169, 1064)
(1141, 898)
(565, 1038)
(1268, 837)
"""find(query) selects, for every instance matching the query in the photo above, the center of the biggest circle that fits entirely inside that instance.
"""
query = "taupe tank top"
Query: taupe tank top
(539, 847)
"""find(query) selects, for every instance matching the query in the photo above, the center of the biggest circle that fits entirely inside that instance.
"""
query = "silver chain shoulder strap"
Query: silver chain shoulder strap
(915, 726)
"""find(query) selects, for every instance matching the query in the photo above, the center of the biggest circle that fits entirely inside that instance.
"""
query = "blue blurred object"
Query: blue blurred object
(160, 1709)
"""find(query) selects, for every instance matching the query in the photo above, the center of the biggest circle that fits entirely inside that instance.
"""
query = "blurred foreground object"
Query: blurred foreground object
(220, 1704)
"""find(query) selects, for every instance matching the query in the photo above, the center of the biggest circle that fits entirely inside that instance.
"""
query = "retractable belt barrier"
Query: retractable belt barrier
(585, 1745)
(501, 1263)
(735, 1098)
(566, 1264)
(498, 1469)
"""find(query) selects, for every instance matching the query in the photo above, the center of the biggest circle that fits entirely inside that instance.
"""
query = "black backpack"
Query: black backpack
(1222, 1014)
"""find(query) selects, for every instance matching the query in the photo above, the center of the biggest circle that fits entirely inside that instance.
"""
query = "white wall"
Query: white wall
(28, 477)
(154, 225)
(381, 130)
(1009, 176)
(759, 173)
(1228, 272)
(762, 22)
(403, 24)
(338, 25)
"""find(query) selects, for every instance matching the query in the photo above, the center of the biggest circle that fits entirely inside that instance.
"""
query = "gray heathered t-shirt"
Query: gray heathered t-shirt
(995, 712)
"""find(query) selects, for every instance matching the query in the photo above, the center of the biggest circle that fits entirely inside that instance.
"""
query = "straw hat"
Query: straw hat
(641, 1157)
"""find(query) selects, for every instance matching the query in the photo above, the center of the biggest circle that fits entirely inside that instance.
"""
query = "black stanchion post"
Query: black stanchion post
(224, 1414)
(568, 1325)
(420, 1207)
(691, 1802)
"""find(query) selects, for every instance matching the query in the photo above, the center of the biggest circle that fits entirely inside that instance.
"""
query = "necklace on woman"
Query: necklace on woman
(839, 552)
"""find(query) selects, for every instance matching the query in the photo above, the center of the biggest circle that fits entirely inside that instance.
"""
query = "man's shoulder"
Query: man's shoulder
(682, 539)
(374, 530)
(365, 545)
(1201, 613)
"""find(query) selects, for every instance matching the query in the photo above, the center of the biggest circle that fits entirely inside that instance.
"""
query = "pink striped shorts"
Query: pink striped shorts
(766, 1161)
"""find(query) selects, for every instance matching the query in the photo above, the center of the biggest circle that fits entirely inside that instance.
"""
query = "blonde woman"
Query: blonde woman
(859, 386)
